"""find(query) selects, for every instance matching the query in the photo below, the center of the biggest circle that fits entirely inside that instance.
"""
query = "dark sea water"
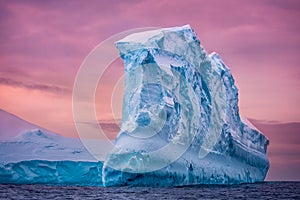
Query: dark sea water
(266, 190)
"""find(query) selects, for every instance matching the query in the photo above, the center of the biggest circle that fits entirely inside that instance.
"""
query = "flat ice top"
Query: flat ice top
(142, 37)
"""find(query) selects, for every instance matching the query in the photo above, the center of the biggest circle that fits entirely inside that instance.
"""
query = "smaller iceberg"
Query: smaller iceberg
(32, 155)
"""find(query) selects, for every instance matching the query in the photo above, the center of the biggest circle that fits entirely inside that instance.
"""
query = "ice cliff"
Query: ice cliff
(180, 120)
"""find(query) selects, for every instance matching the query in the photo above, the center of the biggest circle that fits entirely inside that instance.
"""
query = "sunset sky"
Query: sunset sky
(43, 44)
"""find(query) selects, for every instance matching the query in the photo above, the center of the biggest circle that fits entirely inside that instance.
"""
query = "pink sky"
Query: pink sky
(43, 44)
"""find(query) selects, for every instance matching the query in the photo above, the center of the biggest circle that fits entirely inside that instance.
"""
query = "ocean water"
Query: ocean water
(266, 190)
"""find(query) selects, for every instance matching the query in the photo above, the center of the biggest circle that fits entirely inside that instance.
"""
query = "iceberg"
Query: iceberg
(39, 157)
(180, 118)
(30, 154)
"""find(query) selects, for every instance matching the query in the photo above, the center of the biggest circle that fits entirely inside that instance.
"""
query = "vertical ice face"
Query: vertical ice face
(180, 120)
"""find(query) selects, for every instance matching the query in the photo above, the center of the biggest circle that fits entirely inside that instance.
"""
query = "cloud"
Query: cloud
(109, 127)
(34, 86)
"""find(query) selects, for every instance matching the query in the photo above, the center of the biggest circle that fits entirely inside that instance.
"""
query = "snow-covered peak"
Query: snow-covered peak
(22, 140)
(11, 125)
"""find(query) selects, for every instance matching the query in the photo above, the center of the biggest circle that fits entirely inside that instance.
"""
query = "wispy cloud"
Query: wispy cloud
(109, 127)
(35, 86)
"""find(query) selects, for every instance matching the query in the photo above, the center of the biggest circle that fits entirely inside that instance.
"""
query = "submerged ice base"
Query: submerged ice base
(180, 120)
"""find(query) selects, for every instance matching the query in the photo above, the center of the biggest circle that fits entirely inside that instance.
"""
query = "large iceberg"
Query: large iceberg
(180, 119)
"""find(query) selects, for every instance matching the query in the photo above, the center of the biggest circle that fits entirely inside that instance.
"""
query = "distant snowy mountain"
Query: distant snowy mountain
(31, 142)
(11, 125)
